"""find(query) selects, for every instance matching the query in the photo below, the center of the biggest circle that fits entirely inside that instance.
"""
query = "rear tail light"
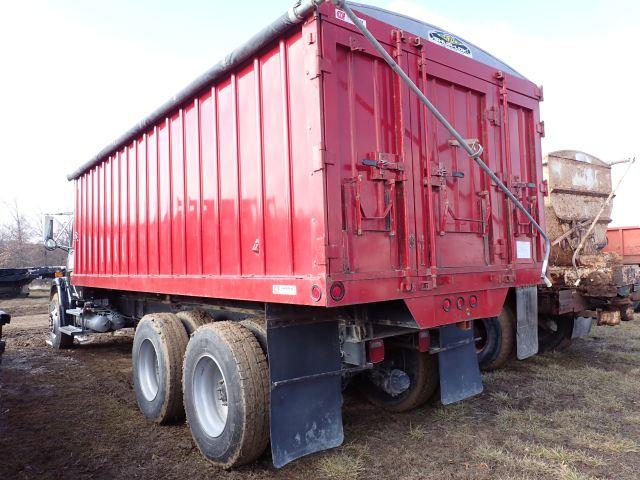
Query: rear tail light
(473, 301)
(376, 351)
(460, 303)
(447, 304)
(316, 293)
(424, 341)
(337, 291)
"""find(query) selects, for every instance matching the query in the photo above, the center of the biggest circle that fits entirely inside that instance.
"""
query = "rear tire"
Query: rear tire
(58, 339)
(259, 331)
(422, 369)
(550, 339)
(497, 346)
(194, 319)
(158, 349)
(226, 393)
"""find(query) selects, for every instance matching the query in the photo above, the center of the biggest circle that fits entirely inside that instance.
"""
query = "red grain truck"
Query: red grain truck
(352, 196)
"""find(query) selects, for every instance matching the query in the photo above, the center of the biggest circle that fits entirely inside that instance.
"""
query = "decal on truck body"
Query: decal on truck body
(451, 42)
(341, 15)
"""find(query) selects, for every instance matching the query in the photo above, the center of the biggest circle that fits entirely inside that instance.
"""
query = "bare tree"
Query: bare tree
(21, 241)
(17, 234)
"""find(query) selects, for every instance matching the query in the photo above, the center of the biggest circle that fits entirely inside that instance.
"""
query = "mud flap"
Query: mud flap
(306, 396)
(527, 323)
(581, 327)
(458, 364)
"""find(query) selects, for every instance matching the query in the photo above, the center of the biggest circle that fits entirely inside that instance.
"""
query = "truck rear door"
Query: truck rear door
(458, 190)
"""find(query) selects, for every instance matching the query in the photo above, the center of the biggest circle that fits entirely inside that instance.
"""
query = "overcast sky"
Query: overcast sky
(75, 74)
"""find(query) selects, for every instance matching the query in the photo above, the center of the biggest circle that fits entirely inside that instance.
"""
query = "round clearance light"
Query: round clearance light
(460, 303)
(447, 304)
(337, 291)
(473, 301)
(316, 293)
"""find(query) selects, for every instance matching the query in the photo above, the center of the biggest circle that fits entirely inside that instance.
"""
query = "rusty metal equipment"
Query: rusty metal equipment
(588, 280)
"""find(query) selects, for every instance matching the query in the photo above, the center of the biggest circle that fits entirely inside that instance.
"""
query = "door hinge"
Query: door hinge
(544, 188)
(355, 45)
(540, 128)
(320, 158)
(493, 116)
(499, 248)
(318, 67)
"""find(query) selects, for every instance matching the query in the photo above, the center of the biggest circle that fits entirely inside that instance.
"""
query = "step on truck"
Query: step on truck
(352, 197)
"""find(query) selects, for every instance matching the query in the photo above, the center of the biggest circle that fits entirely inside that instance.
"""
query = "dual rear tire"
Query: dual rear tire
(216, 373)
(226, 393)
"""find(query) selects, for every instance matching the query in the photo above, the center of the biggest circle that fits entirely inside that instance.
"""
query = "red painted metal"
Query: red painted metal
(313, 164)
(625, 241)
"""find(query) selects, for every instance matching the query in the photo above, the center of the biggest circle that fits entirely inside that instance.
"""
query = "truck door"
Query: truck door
(520, 129)
(458, 189)
(367, 134)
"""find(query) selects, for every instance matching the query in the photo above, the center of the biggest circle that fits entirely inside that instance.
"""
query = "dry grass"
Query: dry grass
(607, 443)
(416, 432)
(452, 413)
(347, 463)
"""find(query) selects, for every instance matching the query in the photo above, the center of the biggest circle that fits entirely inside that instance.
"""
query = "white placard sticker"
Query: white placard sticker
(341, 15)
(523, 249)
(284, 289)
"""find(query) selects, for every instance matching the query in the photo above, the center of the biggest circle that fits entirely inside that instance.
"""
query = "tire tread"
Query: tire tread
(253, 372)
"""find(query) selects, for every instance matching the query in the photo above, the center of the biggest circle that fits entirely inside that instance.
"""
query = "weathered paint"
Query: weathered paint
(256, 189)
(625, 241)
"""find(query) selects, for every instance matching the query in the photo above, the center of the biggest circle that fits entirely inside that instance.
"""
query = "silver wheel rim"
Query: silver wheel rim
(210, 396)
(148, 370)
(54, 320)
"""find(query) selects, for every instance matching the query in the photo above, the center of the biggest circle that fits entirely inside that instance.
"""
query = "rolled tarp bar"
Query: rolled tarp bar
(296, 14)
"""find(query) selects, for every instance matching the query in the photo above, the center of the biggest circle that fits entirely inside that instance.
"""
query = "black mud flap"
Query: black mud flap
(581, 327)
(458, 364)
(306, 396)
(527, 323)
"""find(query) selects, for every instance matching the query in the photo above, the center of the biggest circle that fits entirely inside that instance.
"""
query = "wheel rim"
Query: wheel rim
(148, 370)
(210, 396)
(54, 318)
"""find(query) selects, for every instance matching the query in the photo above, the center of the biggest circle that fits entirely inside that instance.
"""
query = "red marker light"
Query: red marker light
(424, 341)
(376, 350)
(316, 293)
(460, 303)
(473, 301)
(337, 291)
(447, 304)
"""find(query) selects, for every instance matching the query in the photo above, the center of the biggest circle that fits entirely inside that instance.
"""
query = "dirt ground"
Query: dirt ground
(571, 415)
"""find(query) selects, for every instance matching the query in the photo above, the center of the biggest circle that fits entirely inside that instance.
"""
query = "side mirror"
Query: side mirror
(49, 241)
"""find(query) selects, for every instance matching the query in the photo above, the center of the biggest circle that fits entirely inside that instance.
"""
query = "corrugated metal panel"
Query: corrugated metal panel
(220, 188)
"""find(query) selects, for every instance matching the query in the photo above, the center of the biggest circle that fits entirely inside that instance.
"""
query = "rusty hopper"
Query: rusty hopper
(578, 186)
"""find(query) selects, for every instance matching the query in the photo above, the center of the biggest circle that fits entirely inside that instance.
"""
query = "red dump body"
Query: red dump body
(256, 188)
(625, 241)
